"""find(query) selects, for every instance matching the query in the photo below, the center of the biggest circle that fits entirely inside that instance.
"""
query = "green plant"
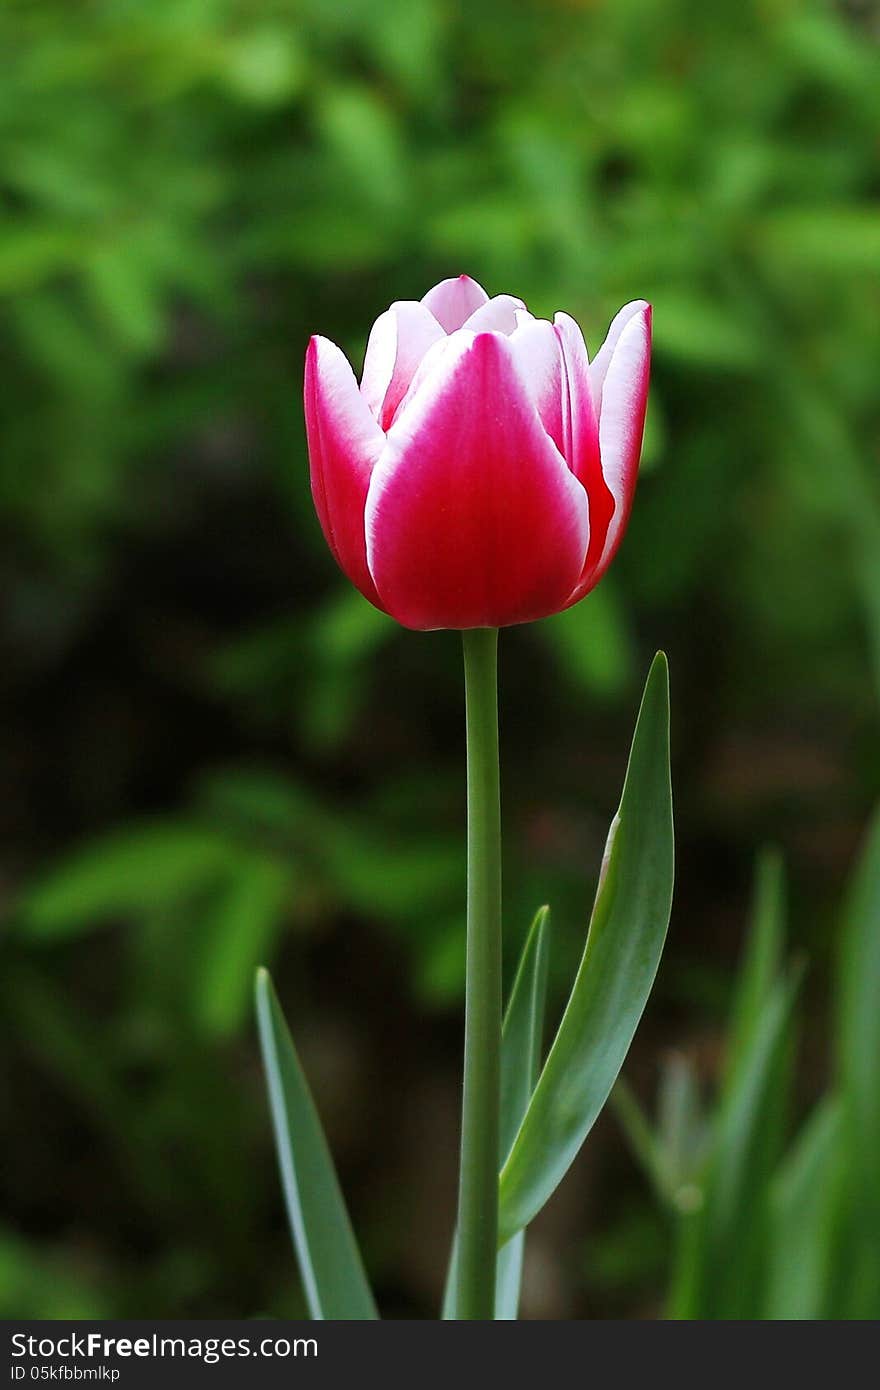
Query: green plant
(763, 1224)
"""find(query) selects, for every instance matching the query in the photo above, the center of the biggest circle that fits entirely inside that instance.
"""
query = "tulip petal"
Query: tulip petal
(582, 434)
(599, 365)
(398, 341)
(429, 365)
(344, 444)
(472, 517)
(453, 301)
(622, 420)
(498, 315)
(620, 381)
(538, 356)
(582, 431)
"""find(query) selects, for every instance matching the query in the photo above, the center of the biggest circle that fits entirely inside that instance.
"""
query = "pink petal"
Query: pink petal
(498, 315)
(538, 355)
(344, 444)
(429, 365)
(624, 389)
(472, 517)
(603, 357)
(398, 341)
(582, 433)
(453, 301)
(622, 420)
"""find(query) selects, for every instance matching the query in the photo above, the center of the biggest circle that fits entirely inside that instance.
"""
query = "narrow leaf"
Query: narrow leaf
(723, 1237)
(520, 1065)
(243, 925)
(859, 1020)
(624, 944)
(643, 1141)
(682, 1131)
(522, 1029)
(859, 1049)
(127, 873)
(330, 1263)
(803, 1206)
(670, 1153)
(721, 1259)
(762, 957)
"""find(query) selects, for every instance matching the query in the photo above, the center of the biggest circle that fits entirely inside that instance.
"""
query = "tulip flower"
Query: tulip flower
(482, 473)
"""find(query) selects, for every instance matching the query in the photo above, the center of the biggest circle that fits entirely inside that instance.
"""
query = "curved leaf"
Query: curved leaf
(624, 944)
(330, 1263)
(520, 1065)
(522, 1029)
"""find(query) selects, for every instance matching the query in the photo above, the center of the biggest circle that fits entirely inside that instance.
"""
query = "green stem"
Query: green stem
(478, 1183)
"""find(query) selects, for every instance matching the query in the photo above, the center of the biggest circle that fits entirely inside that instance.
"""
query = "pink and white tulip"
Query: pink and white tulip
(482, 473)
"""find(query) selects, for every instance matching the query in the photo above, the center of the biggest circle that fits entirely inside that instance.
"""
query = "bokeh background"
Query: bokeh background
(213, 752)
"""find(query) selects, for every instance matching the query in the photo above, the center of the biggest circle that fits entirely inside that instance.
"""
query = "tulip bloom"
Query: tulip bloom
(483, 472)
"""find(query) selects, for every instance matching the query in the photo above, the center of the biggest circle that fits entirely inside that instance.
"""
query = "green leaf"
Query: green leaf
(682, 1131)
(624, 944)
(243, 927)
(130, 872)
(762, 957)
(125, 293)
(720, 1263)
(330, 1263)
(643, 1141)
(522, 1029)
(859, 1018)
(669, 1154)
(859, 1049)
(803, 1206)
(520, 1063)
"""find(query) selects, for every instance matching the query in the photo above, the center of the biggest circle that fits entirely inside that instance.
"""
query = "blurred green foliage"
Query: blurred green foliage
(762, 1227)
(213, 752)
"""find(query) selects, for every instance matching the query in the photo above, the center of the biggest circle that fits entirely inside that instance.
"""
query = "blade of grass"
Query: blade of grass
(332, 1272)
(720, 1263)
(859, 1067)
(762, 958)
(803, 1207)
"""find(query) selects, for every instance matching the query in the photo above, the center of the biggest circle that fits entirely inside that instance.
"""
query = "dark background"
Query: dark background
(214, 753)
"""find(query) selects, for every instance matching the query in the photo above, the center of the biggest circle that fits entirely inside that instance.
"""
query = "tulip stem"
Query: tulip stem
(478, 1182)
